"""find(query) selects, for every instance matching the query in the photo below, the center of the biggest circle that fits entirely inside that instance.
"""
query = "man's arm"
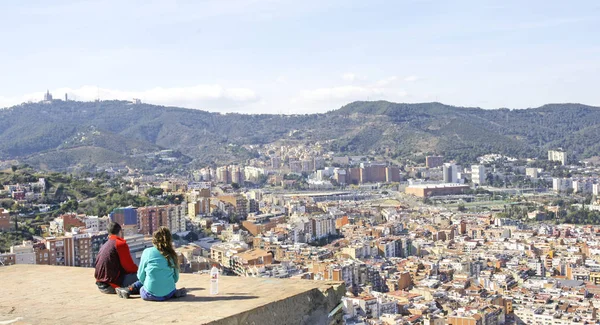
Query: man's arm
(125, 257)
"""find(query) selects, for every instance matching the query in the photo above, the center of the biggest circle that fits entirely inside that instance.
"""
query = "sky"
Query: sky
(295, 57)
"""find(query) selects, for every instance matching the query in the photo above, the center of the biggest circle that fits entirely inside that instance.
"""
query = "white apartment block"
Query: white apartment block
(584, 186)
(450, 173)
(24, 254)
(562, 184)
(323, 226)
(542, 316)
(253, 173)
(96, 224)
(388, 249)
(596, 189)
(556, 155)
(579, 185)
(478, 174)
(531, 172)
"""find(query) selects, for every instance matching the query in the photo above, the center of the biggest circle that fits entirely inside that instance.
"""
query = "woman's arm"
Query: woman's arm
(141, 273)
(176, 273)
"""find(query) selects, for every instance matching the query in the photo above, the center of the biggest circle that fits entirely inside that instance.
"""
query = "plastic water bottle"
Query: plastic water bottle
(214, 280)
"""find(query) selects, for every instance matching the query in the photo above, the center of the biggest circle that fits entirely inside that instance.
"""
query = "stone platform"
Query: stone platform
(36, 294)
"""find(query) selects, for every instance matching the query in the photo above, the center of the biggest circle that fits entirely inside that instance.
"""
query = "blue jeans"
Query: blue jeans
(148, 296)
(138, 288)
(127, 280)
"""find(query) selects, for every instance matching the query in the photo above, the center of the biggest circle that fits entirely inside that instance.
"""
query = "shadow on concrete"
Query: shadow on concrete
(195, 289)
(190, 298)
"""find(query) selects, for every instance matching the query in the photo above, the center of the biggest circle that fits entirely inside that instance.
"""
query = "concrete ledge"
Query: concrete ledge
(36, 294)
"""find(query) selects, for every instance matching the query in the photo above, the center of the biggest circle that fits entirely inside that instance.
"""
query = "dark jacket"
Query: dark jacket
(114, 262)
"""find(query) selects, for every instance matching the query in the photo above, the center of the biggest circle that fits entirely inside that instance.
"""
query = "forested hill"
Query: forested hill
(61, 134)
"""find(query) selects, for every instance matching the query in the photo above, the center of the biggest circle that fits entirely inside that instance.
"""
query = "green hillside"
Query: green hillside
(67, 134)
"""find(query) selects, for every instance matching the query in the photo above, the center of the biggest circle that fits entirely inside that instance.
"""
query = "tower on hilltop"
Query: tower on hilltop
(47, 96)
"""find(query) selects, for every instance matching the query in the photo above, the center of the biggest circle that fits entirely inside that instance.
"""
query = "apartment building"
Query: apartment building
(557, 155)
(61, 250)
(238, 201)
(323, 226)
(450, 173)
(4, 219)
(392, 174)
(170, 216)
(7, 259)
(256, 224)
(124, 216)
(434, 161)
(199, 207)
(176, 217)
(82, 250)
(223, 175)
(478, 174)
(96, 224)
(254, 258)
(24, 253)
(73, 249)
(373, 173)
(531, 172)
(562, 184)
(223, 252)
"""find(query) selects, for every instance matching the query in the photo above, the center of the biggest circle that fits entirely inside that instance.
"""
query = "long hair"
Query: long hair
(162, 241)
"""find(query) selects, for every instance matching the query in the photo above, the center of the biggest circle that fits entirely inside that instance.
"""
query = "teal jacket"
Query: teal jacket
(155, 274)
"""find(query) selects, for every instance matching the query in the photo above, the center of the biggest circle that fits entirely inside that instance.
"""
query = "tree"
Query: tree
(6, 203)
(155, 191)
(70, 206)
(235, 186)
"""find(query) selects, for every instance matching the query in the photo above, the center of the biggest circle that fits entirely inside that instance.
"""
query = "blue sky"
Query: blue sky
(275, 56)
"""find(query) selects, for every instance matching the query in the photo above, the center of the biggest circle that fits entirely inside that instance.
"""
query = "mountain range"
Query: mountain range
(63, 134)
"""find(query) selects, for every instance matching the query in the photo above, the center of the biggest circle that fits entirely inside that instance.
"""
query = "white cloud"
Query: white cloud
(411, 78)
(281, 80)
(199, 96)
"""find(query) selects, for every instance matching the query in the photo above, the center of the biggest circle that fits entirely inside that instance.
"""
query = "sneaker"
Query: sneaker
(180, 293)
(123, 293)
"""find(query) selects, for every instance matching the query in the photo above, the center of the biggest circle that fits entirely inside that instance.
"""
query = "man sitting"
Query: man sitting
(114, 266)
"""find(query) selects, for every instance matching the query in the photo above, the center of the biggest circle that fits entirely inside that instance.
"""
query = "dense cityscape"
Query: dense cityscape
(503, 241)
(277, 162)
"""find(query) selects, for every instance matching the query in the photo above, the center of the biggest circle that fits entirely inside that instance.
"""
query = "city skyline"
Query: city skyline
(287, 57)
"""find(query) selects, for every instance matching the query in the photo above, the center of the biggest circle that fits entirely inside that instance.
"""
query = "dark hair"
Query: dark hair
(114, 228)
(162, 241)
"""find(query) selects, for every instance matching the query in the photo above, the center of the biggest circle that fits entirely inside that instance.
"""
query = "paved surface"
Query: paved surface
(36, 294)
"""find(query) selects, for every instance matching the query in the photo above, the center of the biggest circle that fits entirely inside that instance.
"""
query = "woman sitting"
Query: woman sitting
(158, 271)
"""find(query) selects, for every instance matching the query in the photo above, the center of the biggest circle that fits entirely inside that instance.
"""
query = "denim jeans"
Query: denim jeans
(128, 280)
(148, 296)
